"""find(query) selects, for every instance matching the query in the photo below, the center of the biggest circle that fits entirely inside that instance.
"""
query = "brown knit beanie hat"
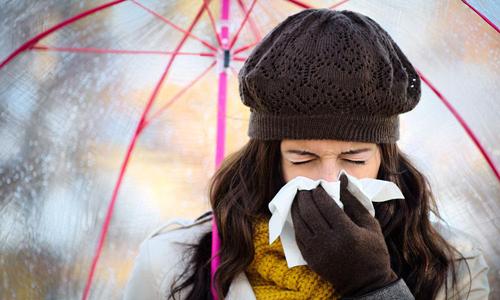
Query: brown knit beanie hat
(327, 74)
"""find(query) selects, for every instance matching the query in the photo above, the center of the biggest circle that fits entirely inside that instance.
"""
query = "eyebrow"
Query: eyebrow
(303, 152)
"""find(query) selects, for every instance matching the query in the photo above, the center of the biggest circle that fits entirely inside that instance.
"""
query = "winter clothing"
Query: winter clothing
(327, 74)
(320, 74)
(271, 278)
(345, 247)
(162, 258)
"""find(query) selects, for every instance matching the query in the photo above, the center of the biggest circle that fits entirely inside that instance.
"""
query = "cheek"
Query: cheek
(291, 171)
(288, 171)
(363, 171)
(370, 170)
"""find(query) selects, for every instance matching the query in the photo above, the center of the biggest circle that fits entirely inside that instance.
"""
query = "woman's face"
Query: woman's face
(323, 159)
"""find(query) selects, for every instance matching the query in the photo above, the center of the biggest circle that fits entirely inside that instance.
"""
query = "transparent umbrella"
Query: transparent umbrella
(114, 115)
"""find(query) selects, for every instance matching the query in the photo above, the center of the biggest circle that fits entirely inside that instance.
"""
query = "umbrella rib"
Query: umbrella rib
(207, 44)
(212, 22)
(35, 39)
(179, 94)
(237, 58)
(300, 4)
(235, 37)
(253, 26)
(338, 4)
(462, 122)
(138, 130)
(235, 72)
(243, 48)
(116, 51)
(481, 15)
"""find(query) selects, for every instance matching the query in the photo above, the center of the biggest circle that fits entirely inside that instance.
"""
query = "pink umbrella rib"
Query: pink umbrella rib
(207, 44)
(338, 4)
(116, 51)
(179, 94)
(253, 26)
(244, 48)
(139, 128)
(234, 71)
(235, 37)
(212, 22)
(462, 122)
(481, 15)
(300, 4)
(237, 58)
(307, 6)
(35, 39)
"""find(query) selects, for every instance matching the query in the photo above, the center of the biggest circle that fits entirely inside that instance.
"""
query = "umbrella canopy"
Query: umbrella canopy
(114, 115)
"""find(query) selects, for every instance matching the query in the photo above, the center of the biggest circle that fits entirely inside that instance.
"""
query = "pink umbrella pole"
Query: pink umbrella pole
(221, 133)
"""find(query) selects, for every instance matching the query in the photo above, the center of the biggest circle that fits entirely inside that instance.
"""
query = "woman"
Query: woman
(325, 89)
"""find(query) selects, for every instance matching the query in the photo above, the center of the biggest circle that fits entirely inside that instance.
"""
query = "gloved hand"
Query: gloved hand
(345, 247)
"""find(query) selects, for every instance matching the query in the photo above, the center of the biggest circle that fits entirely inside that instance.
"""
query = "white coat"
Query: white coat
(161, 259)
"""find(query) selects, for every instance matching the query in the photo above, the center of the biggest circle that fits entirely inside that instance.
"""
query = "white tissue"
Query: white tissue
(367, 190)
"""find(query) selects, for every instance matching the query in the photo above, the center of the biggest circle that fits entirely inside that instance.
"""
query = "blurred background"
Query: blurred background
(70, 103)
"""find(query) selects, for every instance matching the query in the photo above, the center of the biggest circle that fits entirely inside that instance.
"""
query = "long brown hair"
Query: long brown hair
(248, 179)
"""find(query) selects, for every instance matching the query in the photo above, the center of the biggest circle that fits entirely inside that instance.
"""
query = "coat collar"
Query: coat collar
(240, 288)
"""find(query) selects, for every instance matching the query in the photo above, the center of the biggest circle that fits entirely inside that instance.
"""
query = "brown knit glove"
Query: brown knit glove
(345, 247)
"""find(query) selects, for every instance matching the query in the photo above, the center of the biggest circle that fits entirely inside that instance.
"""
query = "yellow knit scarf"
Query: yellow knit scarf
(270, 277)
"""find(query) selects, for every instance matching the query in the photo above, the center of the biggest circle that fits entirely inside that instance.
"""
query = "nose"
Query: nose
(329, 170)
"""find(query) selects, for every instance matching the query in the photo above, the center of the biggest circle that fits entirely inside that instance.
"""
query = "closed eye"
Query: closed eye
(358, 162)
(299, 163)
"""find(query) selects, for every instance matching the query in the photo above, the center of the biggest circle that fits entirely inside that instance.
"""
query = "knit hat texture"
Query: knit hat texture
(327, 74)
